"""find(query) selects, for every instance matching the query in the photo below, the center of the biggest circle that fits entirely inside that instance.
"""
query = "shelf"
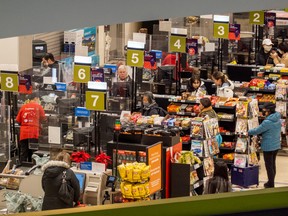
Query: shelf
(261, 90)
(227, 149)
(184, 101)
(186, 143)
(226, 161)
(226, 120)
(183, 113)
(265, 78)
(224, 107)
(197, 138)
(228, 134)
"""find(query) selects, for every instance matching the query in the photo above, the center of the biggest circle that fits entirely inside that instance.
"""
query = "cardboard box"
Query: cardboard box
(167, 140)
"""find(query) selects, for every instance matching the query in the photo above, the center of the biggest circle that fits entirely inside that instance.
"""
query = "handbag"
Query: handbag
(66, 192)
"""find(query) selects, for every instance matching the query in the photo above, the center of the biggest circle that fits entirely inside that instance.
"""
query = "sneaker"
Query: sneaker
(267, 185)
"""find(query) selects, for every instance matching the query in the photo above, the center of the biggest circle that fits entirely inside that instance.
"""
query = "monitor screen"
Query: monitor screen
(166, 74)
(208, 58)
(81, 179)
(122, 89)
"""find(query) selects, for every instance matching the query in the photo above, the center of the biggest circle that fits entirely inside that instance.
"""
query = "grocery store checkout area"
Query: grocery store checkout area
(93, 185)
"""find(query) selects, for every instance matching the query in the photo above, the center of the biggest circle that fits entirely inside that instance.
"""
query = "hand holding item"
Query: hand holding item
(273, 55)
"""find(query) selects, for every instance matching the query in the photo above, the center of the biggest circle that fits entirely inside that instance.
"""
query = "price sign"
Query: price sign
(9, 82)
(82, 73)
(177, 44)
(135, 58)
(256, 17)
(221, 30)
(95, 100)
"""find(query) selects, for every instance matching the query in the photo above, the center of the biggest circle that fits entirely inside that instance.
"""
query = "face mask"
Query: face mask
(146, 104)
(267, 48)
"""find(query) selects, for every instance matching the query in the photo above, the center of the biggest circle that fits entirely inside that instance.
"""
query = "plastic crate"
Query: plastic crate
(245, 177)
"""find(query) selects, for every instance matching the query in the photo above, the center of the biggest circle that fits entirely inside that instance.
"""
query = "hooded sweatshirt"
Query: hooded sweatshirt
(51, 182)
(270, 129)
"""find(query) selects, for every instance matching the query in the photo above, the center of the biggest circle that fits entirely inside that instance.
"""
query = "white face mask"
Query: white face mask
(267, 48)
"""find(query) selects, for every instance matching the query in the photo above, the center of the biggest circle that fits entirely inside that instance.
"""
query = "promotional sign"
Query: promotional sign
(96, 100)
(81, 73)
(60, 86)
(135, 58)
(192, 46)
(256, 17)
(25, 84)
(9, 81)
(97, 75)
(154, 154)
(270, 19)
(82, 112)
(89, 39)
(150, 60)
(177, 44)
(221, 30)
(234, 32)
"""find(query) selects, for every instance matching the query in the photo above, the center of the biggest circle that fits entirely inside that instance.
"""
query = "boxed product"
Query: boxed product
(197, 129)
(242, 109)
(241, 126)
(208, 165)
(211, 127)
(281, 108)
(240, 160)
(197, 147)
(241, 145)
(213, 146)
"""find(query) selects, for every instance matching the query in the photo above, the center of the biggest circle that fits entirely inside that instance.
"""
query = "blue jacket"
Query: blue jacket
(270, 129)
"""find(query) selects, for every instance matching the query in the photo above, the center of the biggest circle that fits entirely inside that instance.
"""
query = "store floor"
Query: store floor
(280, 181)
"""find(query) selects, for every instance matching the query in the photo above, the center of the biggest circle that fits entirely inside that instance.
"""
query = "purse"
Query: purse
(66, 192)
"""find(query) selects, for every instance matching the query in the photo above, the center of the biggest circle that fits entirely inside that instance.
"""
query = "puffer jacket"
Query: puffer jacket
(226, 90)
(152, 109)
(270, 129)
(51, 182)
(208, 111)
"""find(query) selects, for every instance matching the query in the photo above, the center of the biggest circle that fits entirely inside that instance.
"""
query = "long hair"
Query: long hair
(220, 75)
(64, 156)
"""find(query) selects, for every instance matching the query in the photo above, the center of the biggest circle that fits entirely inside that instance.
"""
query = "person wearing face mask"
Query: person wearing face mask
(150, 107)
(283, 50)
(270, 129)
(263, 57)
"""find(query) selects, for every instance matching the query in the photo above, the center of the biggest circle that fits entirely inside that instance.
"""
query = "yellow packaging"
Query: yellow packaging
(129, 173)
(127, 190)
(142, 191)
(147, 188)
(122, 187)
(136, 174)
(145, 174)
(122, 171)
(135, 190)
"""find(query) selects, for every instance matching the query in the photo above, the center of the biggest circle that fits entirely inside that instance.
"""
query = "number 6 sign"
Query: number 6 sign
(81, 73)
(95, 100)
(9, 82)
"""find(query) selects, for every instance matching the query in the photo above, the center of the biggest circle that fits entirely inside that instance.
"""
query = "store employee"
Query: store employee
(263, 57)
(122, 74)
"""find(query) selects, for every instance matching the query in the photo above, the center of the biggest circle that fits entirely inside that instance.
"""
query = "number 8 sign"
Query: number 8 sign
(9, 82)
(95, 100)
(81, 73)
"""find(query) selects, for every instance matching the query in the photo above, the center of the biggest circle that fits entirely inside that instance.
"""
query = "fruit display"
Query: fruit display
(174, 108)
(227, 145)
(229, 156)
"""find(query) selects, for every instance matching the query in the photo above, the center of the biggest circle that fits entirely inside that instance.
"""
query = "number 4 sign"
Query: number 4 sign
(9, 82)
(177, 44)
(95, 100)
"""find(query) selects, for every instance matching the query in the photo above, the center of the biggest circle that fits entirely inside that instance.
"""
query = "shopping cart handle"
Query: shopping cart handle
(28, 172)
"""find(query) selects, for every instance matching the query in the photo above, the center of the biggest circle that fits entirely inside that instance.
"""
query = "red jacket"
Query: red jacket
(29, 117)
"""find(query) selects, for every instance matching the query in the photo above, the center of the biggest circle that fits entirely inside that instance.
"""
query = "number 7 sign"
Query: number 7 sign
(95, 100)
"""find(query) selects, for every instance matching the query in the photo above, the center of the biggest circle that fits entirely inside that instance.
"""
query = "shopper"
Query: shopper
(196, 85)
(206, 108)
(263, 57)
(283, 50)
(224, 85)
(270, 129)
(52, 180)
(29, 117)
(122, 74)
(48, 60)
(150, 107)
(220, 182)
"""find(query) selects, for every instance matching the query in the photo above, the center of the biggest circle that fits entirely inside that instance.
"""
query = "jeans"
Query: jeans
(25, 152)
(270, 164)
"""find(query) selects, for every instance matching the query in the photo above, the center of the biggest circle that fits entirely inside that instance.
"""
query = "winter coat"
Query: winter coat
(263, 58)
(152, 109)
(51, 182)
(226, 90)
(208, 111)
(196, 92)
(270, 129)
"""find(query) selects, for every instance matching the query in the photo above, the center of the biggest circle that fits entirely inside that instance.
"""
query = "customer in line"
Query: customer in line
(220, 182)
(150, 107)
(196, 85)
(206, 108)
(263, 57)
(283, 50)
(52, 180)
(270, 129)
(224, 85)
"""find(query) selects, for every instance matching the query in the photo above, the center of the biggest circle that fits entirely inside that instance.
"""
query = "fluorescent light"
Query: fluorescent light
(83, 59)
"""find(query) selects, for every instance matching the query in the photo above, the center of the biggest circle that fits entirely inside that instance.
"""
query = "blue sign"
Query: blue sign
(61, 86)
(86, 166)
(82, 112)
(113, 67)
(158, 53)
(89, 39)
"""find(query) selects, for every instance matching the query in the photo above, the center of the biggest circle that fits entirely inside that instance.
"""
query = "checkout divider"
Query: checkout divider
(216, 204)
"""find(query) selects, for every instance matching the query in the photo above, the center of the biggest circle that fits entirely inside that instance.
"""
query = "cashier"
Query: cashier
(48, 60)
(122, 74)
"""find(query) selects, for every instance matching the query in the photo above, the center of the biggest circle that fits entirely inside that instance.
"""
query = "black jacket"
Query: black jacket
(263, 58)
(152, 109)
(51, 182)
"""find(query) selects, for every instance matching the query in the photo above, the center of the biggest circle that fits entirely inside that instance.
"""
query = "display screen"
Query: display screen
(81, 179)
(39, 48)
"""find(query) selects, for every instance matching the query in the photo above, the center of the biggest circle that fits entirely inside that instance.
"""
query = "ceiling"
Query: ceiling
(23, 17)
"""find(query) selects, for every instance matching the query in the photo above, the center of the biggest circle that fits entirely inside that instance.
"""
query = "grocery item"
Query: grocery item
(240, 160)
(197, 128)
(197, 147)
(242, 109)
(241, 126)
(208, 165)
(241, 145)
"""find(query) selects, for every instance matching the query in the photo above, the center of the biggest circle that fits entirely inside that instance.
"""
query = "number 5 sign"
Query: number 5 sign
(135, 58)
(81, 73)
(9, 82)
(95, 100)
(221, 30)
